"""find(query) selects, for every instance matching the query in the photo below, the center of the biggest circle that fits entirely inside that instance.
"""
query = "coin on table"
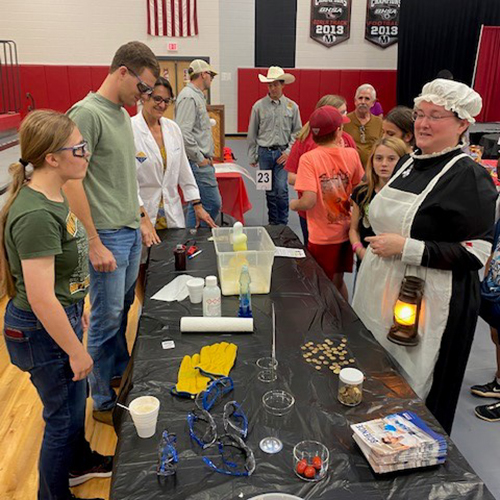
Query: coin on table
(322, 358)
(303, 347)
(351, 360)
(309, 360)
(318, 367)
(325, 362)
(344, 339)
(336, 371)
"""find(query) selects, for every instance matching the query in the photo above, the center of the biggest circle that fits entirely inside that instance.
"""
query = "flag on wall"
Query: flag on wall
(173, 18)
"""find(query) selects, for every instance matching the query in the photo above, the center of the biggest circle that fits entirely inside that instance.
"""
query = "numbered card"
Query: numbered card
(264, 180)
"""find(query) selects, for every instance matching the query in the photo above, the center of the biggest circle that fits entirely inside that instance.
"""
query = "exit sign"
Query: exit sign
(173, 47)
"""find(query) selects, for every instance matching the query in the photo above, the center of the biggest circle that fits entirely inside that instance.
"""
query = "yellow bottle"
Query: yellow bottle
(239, 238)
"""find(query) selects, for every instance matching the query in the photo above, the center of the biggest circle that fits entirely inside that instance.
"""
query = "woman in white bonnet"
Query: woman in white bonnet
(434, 219)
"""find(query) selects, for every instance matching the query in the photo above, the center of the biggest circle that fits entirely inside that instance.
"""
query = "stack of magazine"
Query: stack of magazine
(399, 441)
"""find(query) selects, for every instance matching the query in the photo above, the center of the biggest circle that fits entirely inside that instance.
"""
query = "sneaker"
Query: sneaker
(491, 413)
(99, 466)
(105, 416)
(491, 390)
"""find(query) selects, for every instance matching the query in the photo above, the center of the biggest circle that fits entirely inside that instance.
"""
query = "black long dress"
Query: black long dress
(455, 222)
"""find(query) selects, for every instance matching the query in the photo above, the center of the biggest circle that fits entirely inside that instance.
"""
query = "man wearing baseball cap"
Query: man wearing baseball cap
(326, 178)
(274, 123)
(192, 117)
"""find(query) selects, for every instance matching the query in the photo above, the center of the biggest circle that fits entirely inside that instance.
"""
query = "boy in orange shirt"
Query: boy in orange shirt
(326, 178)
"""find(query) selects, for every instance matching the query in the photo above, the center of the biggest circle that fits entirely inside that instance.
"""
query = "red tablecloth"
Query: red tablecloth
(234, 195)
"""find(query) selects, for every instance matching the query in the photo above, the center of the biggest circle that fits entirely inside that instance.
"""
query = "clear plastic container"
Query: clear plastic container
(259, 258)
(350, 386)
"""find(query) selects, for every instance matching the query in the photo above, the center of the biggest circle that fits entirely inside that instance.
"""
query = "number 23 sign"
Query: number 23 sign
(264, 180)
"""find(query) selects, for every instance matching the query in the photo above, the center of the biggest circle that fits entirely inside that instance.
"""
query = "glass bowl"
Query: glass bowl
(278, 402)
(308, 450)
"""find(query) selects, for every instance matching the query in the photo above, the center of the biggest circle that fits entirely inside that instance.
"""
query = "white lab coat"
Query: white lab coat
(152, 181)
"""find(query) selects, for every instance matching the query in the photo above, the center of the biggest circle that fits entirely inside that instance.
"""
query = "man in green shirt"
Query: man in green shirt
(107, 203)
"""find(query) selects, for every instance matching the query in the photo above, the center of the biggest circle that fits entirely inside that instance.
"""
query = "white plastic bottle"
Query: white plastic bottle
(211, 297)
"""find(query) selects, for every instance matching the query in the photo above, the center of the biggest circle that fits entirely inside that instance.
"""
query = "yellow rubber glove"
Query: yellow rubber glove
(190, 381)
(217, 360)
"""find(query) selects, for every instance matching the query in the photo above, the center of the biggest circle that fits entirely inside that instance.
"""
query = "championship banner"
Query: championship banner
(330, 21)
(382, 22)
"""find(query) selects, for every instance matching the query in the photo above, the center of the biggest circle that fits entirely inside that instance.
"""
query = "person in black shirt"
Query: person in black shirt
(433, 220)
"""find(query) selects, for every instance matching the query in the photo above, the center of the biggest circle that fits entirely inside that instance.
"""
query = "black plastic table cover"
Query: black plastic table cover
(308, 308)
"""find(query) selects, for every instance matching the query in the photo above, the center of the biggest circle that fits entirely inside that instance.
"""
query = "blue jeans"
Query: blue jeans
(33, 350)
(277, 198)
(305, 231)
(111, 295)
(209, 193)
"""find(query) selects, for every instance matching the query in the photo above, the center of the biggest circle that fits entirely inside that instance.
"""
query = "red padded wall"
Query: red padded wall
(58, 87)
(80, 82)
(311, 84)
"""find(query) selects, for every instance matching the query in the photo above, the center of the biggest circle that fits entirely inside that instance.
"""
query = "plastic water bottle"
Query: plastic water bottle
(245, 309)
(211, 297)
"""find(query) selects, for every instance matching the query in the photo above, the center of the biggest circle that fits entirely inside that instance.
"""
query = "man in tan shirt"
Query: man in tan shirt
(365, 128)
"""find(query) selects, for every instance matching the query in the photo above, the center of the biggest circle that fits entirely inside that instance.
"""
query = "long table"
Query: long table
(308, 308)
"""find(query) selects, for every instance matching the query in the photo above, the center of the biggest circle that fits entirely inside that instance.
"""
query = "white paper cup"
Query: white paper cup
(195, 289)
(144, 412)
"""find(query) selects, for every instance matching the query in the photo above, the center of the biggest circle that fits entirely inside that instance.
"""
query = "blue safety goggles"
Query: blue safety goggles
(229, 466)
(202, 428)
(235, 419)
(167, 455)
(214, 393)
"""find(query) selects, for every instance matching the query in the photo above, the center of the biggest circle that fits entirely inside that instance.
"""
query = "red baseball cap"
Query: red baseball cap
(326, 120)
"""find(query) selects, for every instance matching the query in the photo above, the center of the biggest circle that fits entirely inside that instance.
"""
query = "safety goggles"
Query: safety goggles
(158, 99)
(142, 87)
(226, 444)
(79, 150)
(235, 419)
(167, 455)
(202, 428)
(214, 393)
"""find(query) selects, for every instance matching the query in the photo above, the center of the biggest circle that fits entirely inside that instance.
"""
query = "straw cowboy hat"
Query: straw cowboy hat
(275, 73)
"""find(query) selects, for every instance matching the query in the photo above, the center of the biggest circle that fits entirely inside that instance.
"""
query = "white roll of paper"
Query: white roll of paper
(192, 324)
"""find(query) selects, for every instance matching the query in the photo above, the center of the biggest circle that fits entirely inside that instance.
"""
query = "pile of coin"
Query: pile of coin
(327, 355)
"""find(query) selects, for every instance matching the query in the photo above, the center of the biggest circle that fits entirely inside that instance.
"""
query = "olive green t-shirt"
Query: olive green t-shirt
(111, 180)
(38, 227)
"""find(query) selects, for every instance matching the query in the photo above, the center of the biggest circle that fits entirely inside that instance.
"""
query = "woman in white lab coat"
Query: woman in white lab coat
(162, 165)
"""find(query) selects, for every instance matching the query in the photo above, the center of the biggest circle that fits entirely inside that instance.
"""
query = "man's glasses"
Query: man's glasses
(214, 393)
(232, 466)
(202, 428)
(362, 134)
(419, 115)
(142, 87)
(80, 150)
(158, 99)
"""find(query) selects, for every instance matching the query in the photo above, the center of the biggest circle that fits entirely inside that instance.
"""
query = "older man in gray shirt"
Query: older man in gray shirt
(274, 123)
(192, 117)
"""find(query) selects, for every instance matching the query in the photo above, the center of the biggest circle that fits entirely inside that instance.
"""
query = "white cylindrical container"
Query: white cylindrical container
(144, 412)
(211, 297)
(350, 386)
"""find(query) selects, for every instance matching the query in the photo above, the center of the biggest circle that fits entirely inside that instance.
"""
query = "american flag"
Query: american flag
(172, 18)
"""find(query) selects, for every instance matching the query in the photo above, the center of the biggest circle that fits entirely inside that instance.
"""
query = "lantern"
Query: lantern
(404, 331)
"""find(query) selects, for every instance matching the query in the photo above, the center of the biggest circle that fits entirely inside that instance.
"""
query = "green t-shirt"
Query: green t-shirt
(111, 180)
(38, 227)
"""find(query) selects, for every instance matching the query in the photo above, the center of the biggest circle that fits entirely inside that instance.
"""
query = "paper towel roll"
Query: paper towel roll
(192, 324)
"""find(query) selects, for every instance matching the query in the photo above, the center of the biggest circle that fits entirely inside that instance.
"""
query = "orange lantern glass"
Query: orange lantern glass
(404, 330)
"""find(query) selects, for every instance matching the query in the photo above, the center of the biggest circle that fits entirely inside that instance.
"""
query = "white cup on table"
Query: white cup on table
(195, 288)
(144, 412)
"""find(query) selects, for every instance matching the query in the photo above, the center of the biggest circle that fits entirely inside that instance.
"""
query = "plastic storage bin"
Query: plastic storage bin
(259, 258)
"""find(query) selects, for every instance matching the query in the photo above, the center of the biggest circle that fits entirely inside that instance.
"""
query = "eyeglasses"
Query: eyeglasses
(207, 434)
(419, 115)
(212, 75)
(214, 393)
(142, 87)
(80, 150)
(230, 467)
(158, 99)
(167, 455)
(235, 419)
(362, 134)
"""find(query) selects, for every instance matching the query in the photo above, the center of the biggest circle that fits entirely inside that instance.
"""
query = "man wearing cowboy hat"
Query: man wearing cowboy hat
(192, 117)
(274, 122)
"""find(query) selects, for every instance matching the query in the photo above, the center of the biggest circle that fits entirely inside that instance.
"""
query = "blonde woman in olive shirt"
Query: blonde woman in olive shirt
(45, 273)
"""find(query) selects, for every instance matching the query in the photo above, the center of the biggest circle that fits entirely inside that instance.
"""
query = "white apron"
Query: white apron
(379, 281)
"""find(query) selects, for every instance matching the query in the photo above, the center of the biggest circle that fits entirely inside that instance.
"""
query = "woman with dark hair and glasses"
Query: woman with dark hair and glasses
(162, 164)
(434, 220)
